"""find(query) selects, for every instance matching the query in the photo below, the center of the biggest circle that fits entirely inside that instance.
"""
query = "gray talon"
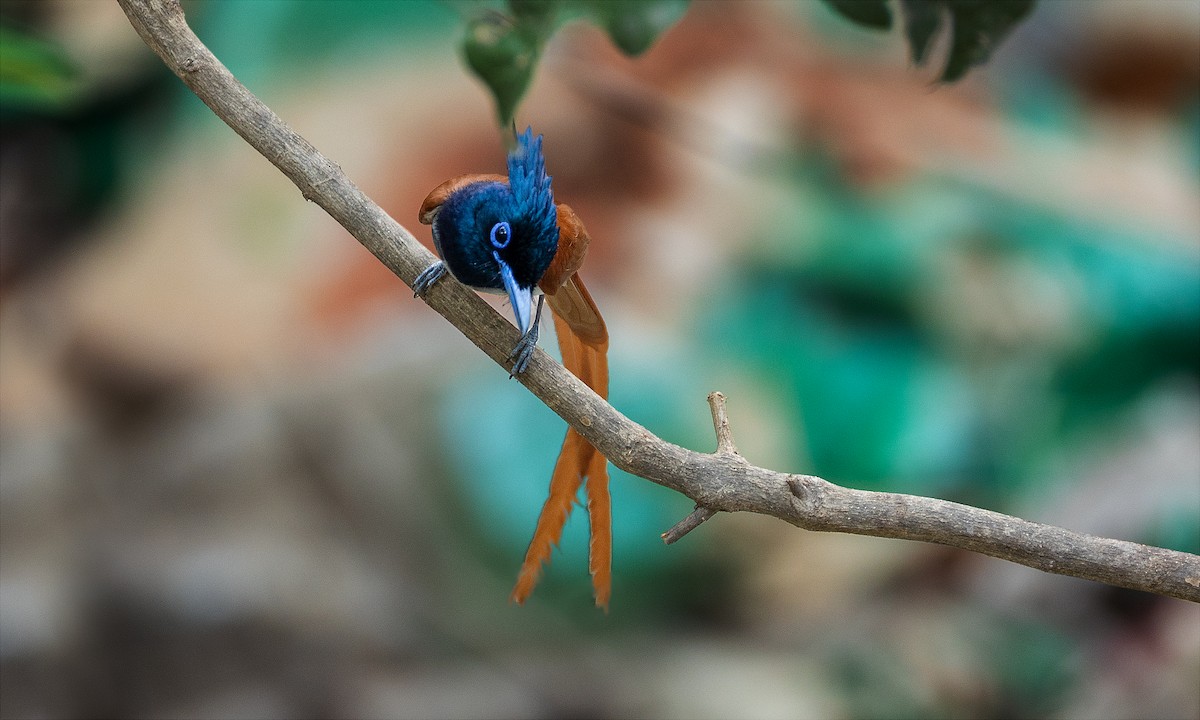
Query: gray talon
(428, 277)
(522, 353)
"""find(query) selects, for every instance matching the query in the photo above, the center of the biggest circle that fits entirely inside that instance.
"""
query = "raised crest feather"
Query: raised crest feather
(531, 186)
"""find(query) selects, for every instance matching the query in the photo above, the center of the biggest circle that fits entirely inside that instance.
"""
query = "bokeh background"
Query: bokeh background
(243, 474)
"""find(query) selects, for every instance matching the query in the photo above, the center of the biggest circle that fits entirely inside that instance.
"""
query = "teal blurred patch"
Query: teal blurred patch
(1033, 665)
(878, 408)
(1139, 300)
(1027, 667)
(1177, 529)
(268, 39)
(844, 302)
(504, 443)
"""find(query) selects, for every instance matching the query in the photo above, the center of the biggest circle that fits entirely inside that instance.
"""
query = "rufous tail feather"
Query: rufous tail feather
(577, 460)
(599, 505)
(564, 483)
(564, 486)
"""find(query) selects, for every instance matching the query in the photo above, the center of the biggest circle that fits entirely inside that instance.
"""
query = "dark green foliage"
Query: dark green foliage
(921, 21)
(976, 27)
(870, 13)
(34, 74)
(503, 52)
(504, 42)
(634, 25)
(503, 46)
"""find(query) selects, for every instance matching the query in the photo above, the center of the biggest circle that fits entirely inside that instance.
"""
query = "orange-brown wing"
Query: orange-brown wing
(574, 304)
(573, 242)
(568, 297)
(438, 195)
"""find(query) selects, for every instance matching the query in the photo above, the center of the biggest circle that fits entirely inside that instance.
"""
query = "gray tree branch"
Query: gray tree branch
(721, 481)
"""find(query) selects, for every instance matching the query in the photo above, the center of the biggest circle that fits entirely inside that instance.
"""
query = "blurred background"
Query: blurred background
(244, 474)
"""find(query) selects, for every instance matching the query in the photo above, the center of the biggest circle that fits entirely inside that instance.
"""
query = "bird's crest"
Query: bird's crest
(530, 184)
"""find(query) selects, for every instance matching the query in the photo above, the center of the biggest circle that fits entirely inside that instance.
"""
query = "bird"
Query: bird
(505, 234)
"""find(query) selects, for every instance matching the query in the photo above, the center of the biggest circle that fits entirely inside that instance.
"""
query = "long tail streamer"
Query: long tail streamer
(578, 462)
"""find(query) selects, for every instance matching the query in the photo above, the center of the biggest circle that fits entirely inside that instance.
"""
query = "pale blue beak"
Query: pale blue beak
(521, 298)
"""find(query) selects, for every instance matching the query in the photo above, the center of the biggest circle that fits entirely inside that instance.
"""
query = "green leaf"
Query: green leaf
(537, 17)
(922, 18)
(503, 49)
(869, 13)
(979, 26)
(634, 25)
(503, 52)
(976, 26)
(34, 74)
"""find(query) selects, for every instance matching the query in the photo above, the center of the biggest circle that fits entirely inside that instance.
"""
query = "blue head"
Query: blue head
(494, 236)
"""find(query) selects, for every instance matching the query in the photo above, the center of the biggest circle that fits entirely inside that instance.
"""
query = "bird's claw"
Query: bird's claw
(523, 352)
(428, 278)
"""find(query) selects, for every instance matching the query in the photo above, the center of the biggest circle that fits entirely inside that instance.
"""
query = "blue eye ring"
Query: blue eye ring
(501, 235)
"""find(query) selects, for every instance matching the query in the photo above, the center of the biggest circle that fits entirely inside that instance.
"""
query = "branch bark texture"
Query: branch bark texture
(720, 481)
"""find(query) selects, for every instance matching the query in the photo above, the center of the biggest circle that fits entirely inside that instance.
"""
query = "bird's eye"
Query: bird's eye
(501, 235)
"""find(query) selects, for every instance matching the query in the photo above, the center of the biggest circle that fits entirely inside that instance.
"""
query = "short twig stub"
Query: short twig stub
(725, 446)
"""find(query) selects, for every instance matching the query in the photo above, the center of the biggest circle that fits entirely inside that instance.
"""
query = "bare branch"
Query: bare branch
(722, 481)
(688, 524)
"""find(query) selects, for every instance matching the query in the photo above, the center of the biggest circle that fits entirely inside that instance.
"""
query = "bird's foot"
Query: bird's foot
(523, 352)
(428, 277)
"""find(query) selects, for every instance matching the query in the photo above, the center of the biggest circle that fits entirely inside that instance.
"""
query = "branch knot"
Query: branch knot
(806, 499)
